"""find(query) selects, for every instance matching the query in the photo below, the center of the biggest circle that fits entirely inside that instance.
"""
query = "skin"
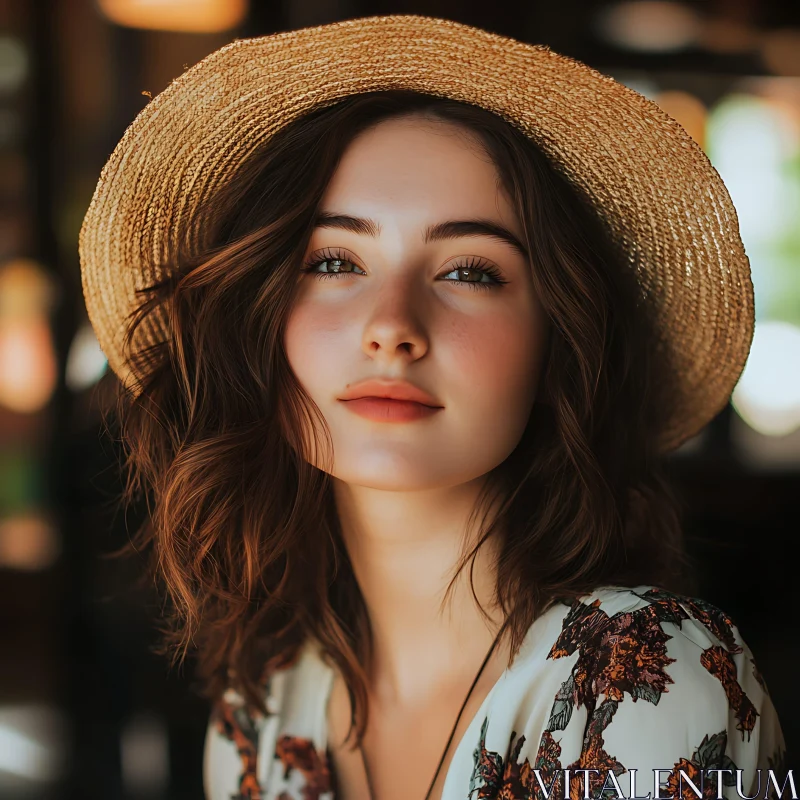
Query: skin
(404, 490)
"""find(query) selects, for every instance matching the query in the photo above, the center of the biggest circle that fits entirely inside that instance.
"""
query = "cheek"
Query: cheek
(312, 341)
(495, 360)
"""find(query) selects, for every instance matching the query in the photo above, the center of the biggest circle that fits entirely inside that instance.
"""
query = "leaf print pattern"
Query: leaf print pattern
(548, 763)
(621, 658)
(234, 722)
(668, 605)
(719, 663)
(295, 752)
(487, 774)
(622, 654)
(562, 708)
(709, 755)
(237, 725)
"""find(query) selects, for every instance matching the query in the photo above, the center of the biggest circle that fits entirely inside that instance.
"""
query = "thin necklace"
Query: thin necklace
(452, 732)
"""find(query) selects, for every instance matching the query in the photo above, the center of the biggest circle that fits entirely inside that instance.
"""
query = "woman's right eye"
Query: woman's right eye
(331, 267)
(336, 265)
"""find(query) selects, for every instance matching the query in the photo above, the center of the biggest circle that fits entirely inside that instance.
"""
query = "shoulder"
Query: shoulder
(642, 643)
(647, 679)
(617, 619)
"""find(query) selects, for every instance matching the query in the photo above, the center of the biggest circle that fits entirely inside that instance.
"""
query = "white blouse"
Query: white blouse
(648, 690)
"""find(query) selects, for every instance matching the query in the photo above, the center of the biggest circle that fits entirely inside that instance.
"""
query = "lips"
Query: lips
(384, 409)
(389, 401)
(391, 390)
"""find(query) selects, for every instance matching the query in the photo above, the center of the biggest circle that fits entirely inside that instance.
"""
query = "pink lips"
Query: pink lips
(385, 400)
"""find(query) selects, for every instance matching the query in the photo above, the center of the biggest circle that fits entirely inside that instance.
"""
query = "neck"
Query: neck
(405, 547)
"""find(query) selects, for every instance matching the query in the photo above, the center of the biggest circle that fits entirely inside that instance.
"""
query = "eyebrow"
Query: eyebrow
(452, 229)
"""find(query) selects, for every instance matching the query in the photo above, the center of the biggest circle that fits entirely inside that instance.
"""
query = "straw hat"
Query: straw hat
(662, 201)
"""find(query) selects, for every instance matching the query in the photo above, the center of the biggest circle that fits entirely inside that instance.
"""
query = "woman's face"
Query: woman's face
(403, 287)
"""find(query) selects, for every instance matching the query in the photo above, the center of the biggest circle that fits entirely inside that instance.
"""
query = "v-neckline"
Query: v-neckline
(475, 722)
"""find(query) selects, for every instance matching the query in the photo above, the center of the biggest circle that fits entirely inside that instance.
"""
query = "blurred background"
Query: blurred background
(86, 709)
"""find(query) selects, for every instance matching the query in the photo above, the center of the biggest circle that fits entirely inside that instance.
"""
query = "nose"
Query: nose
(394, 328)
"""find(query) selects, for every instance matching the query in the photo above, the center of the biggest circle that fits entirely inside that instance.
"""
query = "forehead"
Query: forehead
(420, 167)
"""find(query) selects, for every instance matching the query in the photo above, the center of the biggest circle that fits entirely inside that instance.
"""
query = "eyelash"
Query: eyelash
(472, 264)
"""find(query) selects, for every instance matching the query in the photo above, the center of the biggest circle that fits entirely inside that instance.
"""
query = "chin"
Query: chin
(392, 483)
(395, 472)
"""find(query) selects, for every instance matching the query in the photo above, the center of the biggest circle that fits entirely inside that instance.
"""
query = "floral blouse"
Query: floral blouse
(639, 690)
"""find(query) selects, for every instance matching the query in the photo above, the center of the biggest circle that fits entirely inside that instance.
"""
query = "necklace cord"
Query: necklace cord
(452, 731)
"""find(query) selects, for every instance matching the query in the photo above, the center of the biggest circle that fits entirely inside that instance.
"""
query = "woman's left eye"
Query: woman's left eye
(474, 269)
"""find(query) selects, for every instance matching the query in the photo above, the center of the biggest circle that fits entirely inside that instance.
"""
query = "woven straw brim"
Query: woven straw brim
(662, 201)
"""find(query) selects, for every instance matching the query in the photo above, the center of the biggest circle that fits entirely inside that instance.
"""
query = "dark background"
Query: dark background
(86, 709)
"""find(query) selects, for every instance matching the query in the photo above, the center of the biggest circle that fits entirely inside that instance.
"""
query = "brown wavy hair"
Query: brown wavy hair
(242, 529)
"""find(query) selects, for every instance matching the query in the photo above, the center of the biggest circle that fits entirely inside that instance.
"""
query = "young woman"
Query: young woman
(406, 315)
